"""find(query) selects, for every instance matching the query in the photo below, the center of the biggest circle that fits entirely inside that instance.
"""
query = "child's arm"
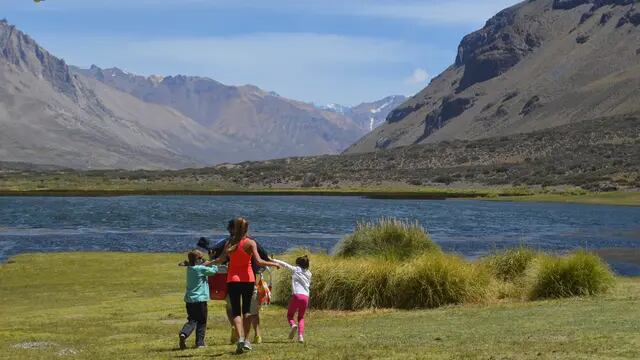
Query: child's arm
(284, 264)
(207, 270)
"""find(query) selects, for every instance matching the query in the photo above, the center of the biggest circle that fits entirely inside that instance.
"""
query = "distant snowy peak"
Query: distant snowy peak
(341, 109)
(368, 115)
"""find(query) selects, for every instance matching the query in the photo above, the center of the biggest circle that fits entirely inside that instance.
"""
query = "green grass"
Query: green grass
(578, 274)
(129, 306)
(389, 238)
(627, 198)
(510, 264)
(114, 182)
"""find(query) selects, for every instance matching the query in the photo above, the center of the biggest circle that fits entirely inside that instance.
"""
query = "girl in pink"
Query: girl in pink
(300, 283)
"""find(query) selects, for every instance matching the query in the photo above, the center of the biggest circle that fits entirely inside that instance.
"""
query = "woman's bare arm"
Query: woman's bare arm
(223, 256)
(252, 248)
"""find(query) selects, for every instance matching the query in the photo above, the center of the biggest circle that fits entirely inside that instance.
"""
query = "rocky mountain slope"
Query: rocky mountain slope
(52, 113)
(601, 155)
(536, 65)
(50, 116)
(265, 124)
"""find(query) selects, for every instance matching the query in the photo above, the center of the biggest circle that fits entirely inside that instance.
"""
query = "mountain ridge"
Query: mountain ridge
(274, 125)
(52, 113)
(535, 65)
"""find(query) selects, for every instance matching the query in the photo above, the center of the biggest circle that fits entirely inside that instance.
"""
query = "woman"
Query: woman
(239, 251)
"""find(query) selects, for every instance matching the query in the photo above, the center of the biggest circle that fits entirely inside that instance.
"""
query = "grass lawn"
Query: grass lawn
(129, 306)
(607, 198)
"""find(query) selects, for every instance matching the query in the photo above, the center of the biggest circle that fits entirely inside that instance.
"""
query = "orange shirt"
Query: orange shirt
(239, 269)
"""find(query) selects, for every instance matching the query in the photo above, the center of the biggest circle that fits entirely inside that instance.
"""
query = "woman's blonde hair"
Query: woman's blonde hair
(240, 230)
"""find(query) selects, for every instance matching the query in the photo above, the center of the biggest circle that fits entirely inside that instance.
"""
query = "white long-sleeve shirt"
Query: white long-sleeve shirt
(300, 279)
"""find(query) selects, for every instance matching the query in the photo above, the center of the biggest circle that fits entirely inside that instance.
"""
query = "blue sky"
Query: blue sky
(324, 51)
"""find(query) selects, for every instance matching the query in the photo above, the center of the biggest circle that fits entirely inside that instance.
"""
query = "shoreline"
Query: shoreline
(605, 198)
(344, 193)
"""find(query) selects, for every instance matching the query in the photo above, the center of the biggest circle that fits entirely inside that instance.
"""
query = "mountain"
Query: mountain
(536, 65)
(55, 114)
(264, 124)
(48, 115)
(368, 115)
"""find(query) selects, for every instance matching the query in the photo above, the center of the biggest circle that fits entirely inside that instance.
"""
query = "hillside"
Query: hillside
(50, 116)
(55, 114)
(533, 66)
(596, 155)
(264, 124)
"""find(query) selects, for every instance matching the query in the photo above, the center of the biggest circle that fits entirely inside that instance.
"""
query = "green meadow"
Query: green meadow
(129, 306)
(159, 183)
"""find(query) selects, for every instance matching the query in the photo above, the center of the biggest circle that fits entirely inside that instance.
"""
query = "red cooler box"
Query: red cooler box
(218, 284)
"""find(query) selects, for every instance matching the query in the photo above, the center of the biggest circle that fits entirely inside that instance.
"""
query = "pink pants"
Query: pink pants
(298, 303)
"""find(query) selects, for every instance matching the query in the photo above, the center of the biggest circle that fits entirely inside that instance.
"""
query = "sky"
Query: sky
(320, 51)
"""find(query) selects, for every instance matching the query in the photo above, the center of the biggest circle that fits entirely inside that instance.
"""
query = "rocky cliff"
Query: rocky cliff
(48, 115)
(536, 65)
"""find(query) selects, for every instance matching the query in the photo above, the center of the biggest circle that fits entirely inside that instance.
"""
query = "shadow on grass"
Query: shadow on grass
(185, 354)
(278, 342)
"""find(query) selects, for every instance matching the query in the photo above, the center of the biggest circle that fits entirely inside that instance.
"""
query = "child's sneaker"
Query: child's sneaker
(247, 346)
(240, 347)
(183, 342)
(301, 339)
(257, 339)
(294, 330)
(234, 336)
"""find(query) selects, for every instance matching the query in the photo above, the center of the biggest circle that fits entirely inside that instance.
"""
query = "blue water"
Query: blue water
(174, 223)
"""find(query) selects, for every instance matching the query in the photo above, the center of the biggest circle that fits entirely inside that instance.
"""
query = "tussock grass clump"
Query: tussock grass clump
(342, 284)
(511, 264)
(431, 281)
(579, 274)
(387, 238)
(394, 264)
(427, 281)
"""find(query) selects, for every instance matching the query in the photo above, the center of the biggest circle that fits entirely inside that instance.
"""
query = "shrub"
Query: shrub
(578, 274)
(427, 281)
(431, 281)
(342, 284)
(510, 264)
(387, 238)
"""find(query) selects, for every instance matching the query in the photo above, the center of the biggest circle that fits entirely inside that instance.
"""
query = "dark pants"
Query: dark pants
(240, 294)
(196, 319)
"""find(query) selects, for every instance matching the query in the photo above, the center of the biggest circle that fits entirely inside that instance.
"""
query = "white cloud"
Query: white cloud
(307, 66)
(469, 12)
(435, 12)
(419, 77)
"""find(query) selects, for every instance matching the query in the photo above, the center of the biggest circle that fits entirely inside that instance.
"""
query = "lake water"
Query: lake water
(174, 223)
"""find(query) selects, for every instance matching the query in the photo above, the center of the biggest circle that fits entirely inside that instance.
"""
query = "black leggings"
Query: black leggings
(196, 319)
(237, 291)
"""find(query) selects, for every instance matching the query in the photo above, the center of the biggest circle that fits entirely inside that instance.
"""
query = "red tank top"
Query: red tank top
(239, 269)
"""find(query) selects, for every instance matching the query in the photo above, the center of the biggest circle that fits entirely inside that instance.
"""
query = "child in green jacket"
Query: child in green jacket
(196, 298)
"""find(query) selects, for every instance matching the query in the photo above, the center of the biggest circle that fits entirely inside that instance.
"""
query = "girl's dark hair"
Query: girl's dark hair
(230, 225)
(303, 262)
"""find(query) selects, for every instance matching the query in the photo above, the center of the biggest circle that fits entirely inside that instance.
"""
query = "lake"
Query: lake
(174, 223)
